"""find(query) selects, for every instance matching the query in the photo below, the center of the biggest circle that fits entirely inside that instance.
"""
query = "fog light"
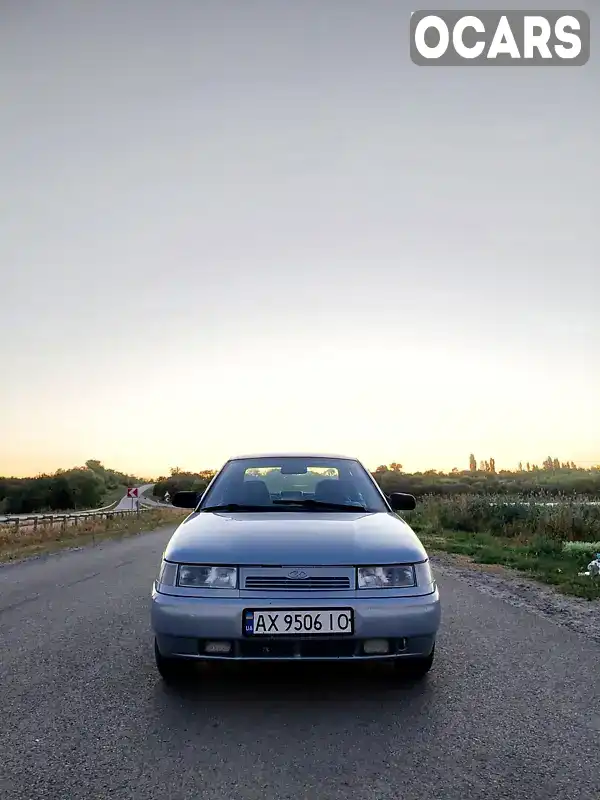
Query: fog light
(376, 647)
(217, 647)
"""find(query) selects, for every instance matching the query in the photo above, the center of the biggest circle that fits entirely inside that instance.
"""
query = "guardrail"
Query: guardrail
(46, 520)
(142, 499)
(5, 517)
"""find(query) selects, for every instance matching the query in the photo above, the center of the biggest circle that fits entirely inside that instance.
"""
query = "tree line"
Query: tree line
(489, 481)
(549, 465)
(181, 481)
(552, 478)
(94, 485)
(85, 487)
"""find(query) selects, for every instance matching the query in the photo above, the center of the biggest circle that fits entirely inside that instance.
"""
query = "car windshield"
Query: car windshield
(291, 484)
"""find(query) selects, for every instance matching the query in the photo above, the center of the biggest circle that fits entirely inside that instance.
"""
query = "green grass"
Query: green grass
(558, 569)
(549, 544)
(585, 548)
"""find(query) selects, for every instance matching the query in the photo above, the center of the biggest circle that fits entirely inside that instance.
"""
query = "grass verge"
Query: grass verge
(113, 496)
(549, 544)
(559, 568)
(27, 542)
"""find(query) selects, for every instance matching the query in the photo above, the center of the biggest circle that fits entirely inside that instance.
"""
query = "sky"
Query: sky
(231, 227)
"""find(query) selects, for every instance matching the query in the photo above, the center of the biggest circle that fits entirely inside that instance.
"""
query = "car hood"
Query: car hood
(285, 538)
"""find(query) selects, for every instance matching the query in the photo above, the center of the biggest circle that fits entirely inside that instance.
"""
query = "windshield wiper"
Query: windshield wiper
(236, 507)
(310, 503)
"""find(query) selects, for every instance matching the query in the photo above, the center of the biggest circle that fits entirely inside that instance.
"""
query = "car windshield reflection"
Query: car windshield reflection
(294, 484)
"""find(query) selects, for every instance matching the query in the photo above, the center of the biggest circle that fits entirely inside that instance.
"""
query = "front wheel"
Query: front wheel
(415, 668)
(171, 670)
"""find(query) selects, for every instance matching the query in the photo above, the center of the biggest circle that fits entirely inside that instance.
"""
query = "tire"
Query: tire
(415, 668)
(171, 670)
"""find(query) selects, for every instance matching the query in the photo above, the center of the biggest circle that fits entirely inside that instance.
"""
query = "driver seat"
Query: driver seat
(253, 493)
(335, 491)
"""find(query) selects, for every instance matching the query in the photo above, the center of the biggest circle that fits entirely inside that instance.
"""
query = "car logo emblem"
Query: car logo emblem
(297, 575)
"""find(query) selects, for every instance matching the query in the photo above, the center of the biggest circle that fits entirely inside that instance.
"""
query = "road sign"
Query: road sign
(132, 491)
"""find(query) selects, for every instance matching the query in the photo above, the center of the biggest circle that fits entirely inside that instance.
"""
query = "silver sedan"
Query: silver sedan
(294, 557)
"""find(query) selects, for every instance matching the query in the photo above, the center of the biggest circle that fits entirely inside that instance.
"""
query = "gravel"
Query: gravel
(582, 616)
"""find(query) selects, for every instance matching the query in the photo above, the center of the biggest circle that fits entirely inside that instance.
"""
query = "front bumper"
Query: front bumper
(183, 625)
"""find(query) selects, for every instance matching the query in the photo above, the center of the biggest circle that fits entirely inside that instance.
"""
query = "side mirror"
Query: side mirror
(185, 499)
(400, 501)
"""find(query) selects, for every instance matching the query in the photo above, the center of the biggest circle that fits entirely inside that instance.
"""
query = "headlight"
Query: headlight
(195, 577)
(424, 574)
(167, 573)
(386, 577)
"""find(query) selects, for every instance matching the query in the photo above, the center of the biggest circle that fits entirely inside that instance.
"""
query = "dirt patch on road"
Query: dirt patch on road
(582, 616)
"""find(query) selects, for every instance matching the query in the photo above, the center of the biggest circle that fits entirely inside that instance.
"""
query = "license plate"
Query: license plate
(298, 621)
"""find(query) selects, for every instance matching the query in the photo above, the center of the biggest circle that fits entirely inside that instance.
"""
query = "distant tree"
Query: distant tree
(382, 468)
(395, 467)
(482, 466)
(528, 467)
(492, 465)
(181, 482)
(207, 474)
(86, 488)
(95, 466)
(520, 466)
(472, 463)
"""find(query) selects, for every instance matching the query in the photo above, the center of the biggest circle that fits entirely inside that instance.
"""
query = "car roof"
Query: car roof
(293, 455)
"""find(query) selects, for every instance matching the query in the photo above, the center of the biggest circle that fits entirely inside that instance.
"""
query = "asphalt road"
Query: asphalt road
(510, 710)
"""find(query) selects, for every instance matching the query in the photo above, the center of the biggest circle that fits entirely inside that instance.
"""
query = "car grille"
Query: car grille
(273, 583)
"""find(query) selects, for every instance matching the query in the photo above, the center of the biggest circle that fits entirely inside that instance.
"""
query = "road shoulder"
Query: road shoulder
(509, 585)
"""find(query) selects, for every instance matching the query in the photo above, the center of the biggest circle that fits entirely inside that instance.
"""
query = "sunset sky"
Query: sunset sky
(233, 227)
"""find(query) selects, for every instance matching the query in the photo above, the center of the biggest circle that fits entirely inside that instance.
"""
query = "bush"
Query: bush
(587, 549)
(182, 482)
(510, 518)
